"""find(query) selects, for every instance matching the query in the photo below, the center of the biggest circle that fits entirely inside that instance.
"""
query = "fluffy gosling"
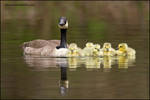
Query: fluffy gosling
(88, 50)
(73, 50)
(96, 51)
(124, 50)
(108, 50)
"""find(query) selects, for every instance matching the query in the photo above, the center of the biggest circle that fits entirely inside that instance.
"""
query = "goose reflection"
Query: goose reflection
(41, 64)
(64, 83)
(125, 61)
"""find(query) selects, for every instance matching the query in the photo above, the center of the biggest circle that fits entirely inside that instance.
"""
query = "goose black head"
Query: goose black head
(63, 23)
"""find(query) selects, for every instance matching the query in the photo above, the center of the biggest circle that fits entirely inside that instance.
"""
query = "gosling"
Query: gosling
(124, 50)
(73, 50)
(96, 51)
(88, 50)
(108, 50)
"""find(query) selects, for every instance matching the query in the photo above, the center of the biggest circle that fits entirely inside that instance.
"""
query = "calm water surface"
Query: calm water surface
(90, 77)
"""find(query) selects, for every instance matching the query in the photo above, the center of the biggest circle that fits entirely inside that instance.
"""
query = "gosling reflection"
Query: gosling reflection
(107, 62)
(92, 63)
(73, 63)
(125, 61)
(64, 83)
(89, 62)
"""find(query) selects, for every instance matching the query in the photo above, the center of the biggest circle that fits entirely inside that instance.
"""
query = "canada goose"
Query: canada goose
(108, 50)
(54, 48)
(124, 50)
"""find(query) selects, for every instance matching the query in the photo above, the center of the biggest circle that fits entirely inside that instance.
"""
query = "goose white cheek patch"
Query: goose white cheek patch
(62, 52)
(64, 26)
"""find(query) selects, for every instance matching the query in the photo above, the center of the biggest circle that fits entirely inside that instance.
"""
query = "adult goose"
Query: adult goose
(50, 48)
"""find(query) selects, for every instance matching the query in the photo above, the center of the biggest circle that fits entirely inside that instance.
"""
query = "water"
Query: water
(27, 77)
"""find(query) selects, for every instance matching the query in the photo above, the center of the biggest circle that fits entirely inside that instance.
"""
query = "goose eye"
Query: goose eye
(65, 21)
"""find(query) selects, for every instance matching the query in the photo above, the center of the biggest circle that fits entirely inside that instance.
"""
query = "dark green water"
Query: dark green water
(27, 77)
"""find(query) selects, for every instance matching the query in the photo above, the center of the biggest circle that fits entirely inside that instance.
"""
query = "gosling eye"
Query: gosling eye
(120, 46)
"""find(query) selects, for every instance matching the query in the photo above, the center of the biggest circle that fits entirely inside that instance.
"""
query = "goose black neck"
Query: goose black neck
(63, 42)
(63, 73)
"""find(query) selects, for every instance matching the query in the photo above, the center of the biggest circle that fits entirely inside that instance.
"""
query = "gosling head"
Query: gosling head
(97, 46)
(123, 47)
(107, 46)
(73, 50)
(63, 23)
(89, 44)
(73, 46)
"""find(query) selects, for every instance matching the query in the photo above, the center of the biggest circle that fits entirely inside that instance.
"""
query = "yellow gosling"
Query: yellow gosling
(124, 50)
(96, 50)
(81, 52)
(73, 50)
(108, 50)
(88, 49)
